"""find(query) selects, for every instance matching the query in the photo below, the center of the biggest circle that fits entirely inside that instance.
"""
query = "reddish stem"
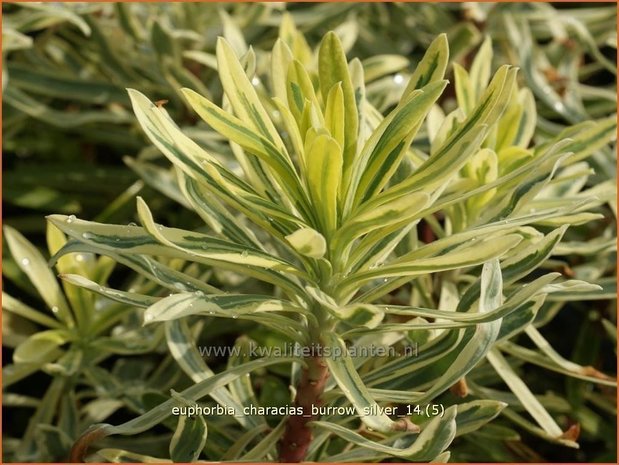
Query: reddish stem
(296, 439)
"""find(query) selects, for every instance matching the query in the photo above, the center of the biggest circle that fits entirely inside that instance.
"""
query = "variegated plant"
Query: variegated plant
(352, 235)
(69, 335)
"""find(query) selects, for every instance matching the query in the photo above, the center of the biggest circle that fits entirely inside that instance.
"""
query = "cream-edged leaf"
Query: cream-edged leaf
(308, 242)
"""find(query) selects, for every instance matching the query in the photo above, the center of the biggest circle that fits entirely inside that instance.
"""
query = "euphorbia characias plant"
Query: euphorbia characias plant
(339, 213)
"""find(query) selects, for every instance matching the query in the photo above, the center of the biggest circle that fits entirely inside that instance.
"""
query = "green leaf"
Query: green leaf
(473, 415)
(263, 448)
(480, 69)
(173, 237)
(41, 347)
(335, 114)
(342, 369)
(204, 168)
(482, 338)
(586, 138)
(464, 89)
(193, 393)
(256, 144)
(323, 168)
(51, 84)
(245, 307)
(333, 69)
(432, 66)
(183, 349)
(128, 298)
(132, 240)
(20, 100)
(44, 414)
(281, 57)
(32, 263)
(435, 437)
(215, 214)
(235, 451)
(462, 317)
(144, 265)
(526, 397)
(308, 242)
(158, 178)
(242, 95)
(365, 220)
(476, 253)
(80, 301)
(367, 316)
(565, 367)
(41, 16)
(124, 456)
(188, 439)
(384, 150)
(12, 305)
(487, 111)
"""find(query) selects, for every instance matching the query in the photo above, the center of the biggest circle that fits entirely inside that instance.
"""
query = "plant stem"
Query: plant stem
(296, 439)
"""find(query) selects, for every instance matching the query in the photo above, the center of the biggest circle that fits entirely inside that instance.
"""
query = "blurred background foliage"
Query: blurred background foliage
(71, 144)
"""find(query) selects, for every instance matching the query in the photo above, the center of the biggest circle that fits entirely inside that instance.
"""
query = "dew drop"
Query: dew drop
(87, 235)
(79, 257)
(148, 317)
(211, 312)
(398, 79)
(132, 224)
(25, 261)
(70, 219)
(55, 309)
(245, 253)
(198, 293)
(255, 80)
(385, 280)
(180, 286)
(235, 317)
